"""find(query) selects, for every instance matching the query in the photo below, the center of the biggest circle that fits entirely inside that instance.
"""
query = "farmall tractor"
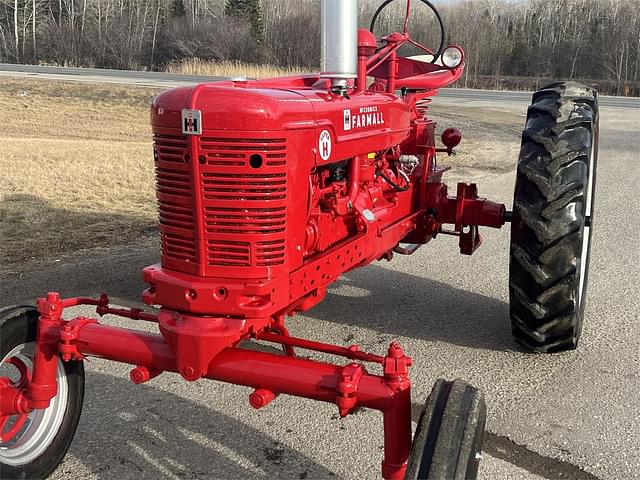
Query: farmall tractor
(269, 191)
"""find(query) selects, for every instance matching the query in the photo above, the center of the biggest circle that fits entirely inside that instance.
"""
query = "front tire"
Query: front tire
(32, 446)
(552, 218)
(448, 439)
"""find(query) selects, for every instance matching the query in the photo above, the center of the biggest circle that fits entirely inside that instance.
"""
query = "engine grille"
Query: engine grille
(242, 204)
(245, 210)
(175, 199)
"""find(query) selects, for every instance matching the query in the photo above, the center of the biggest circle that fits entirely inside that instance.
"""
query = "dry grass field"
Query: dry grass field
(195, 66)
(76, 169)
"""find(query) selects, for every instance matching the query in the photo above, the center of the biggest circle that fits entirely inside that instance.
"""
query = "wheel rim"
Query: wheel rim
(586, 233)
(29, 436)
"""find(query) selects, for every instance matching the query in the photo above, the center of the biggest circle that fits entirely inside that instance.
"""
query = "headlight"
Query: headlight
(452, 57)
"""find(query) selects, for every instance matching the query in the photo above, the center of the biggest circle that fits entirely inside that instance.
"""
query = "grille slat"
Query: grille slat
(243, 141)
(262, 222)
(245, 148)
(244, 197)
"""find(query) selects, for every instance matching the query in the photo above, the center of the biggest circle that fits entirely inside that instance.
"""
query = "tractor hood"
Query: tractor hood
(269, 106)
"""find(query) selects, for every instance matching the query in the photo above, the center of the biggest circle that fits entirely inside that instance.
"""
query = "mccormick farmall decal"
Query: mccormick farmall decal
(366, 117)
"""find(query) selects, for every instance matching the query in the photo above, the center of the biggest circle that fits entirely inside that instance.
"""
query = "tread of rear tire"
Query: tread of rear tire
(546, 233)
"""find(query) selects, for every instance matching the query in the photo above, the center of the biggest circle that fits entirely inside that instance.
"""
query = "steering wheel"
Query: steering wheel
(436, 54)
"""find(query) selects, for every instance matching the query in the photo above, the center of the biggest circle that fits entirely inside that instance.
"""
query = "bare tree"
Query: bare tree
(16, 31)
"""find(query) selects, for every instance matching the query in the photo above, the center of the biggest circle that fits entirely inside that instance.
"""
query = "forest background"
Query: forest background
(508, 44)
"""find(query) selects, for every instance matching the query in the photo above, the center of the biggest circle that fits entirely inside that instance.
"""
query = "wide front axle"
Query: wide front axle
(349, 387)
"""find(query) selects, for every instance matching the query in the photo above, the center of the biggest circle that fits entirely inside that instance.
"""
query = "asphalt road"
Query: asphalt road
(159, 79)
(100, 75)
(509, 96)
(572, 415)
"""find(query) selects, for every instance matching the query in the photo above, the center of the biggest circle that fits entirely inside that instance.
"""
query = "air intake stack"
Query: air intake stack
(339, 25)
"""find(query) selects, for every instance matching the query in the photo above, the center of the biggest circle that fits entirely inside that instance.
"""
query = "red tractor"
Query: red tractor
(269, 191)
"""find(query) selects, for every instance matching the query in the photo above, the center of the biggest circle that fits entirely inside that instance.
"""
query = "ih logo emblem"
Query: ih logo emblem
(192, 122)
(324, 145)
(347, 120)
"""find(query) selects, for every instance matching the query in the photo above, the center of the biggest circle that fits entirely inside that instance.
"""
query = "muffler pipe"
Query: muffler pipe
(339, 27)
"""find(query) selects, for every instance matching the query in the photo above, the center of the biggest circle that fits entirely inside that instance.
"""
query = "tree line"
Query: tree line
(507, 43)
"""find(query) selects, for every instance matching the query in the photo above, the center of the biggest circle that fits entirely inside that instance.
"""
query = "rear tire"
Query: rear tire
(448, 440)
(552, 218)
(37, 449)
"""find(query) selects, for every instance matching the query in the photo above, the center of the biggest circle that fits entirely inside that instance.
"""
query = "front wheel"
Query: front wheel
(553, 217)
(448, 439)
(33, 445)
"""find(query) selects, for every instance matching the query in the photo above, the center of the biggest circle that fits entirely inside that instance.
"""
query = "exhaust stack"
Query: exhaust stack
(339, 26)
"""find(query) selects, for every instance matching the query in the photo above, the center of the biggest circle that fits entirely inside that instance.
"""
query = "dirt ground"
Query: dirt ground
(76, 169)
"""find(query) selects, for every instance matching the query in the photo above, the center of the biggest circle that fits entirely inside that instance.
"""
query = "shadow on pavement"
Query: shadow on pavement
(137, 431)
(400, 304)
(46, 248)
(118, 273)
